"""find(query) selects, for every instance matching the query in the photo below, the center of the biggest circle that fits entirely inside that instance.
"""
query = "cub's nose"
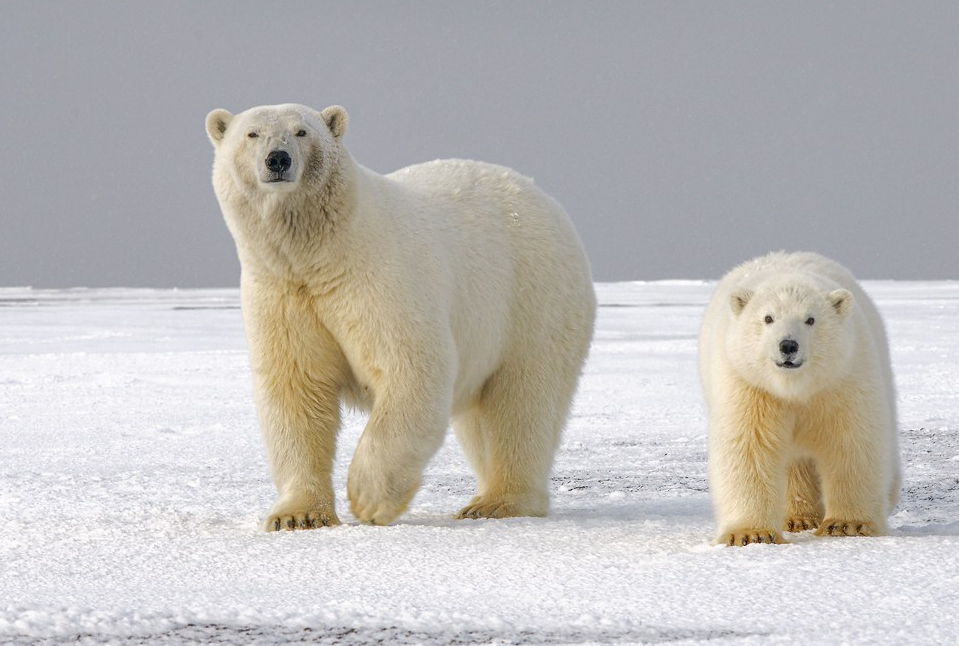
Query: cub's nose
(788, 346)
(278, 161)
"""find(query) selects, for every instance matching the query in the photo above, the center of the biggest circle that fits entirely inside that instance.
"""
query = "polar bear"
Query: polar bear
(795, 368)
(446, 290)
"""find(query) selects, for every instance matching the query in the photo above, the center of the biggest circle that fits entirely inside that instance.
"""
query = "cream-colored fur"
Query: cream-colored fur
(447, 290)
(806, 439)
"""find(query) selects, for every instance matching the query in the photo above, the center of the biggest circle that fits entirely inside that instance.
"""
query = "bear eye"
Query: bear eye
(768, 319)
(252, 135)
(301, 133)
(810, 321)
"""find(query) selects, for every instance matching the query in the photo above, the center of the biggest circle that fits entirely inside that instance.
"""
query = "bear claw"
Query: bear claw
(741, 538)
(481, 507)
(475, 512)
(800, 524)
(838, 527)
(300, 520)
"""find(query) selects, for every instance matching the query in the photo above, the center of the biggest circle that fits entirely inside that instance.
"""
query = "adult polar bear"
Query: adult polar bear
(447, 289)
(802, 421)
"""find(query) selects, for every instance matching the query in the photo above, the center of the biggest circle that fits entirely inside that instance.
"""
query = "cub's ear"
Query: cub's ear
(841, 300)
(216, 124)
(336, 120)
(738, 300)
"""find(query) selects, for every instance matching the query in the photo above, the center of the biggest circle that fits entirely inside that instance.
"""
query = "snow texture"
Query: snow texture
(133, 480)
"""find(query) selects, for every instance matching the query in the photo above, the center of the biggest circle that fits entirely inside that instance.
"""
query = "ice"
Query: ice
(133, 480)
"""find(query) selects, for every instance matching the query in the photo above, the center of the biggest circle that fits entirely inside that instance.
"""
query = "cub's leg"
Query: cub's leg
(855, 476)
(747, 467)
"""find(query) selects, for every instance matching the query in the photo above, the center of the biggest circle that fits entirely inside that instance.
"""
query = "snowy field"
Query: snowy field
(133, 480)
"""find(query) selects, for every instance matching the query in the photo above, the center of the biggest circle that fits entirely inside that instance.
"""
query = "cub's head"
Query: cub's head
(790, 337)
(275, 149)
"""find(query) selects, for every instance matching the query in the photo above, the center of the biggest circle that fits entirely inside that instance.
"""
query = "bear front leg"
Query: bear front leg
(300, 421)
(855, 479)
(747, 472)
(297, 369)
(406, 427)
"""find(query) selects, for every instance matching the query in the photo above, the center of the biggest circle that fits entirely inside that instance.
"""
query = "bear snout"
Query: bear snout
(278, 162)
(788, 347)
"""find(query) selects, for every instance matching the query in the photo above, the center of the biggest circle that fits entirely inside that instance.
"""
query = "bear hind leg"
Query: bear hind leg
(469, 433)
(804, 508)
(513, 439)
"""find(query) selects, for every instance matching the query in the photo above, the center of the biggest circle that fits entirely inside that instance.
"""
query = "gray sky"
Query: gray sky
(682, 137)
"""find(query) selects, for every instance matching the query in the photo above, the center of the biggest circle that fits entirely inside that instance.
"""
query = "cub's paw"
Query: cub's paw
(801, 523)
(843, 527)
(500, 507)
(307, 519)
(741, 537)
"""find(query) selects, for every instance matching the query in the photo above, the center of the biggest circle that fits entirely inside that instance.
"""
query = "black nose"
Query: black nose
(278, 161)
(788, 346)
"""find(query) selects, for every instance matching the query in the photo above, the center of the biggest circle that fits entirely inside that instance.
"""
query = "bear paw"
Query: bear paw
(372, 511)
(801, 524)
(378, 500)
(500, 507)
(742, 537)
(841, 527)
(307, 519)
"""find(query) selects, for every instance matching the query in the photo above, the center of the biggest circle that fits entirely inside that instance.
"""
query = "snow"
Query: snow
(133, 480)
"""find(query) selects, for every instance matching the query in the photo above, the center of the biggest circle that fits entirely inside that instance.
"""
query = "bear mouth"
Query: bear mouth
(790, 365)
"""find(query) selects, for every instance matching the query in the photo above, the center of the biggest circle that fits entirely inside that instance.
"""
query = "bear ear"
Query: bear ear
(841, 300)
(336, 120)
(738, 300)
(216, 124)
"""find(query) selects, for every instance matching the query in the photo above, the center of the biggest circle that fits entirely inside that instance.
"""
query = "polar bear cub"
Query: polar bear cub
(795, 368)
(447, 290)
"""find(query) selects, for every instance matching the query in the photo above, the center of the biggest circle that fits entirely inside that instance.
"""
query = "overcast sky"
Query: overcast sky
(682, 137)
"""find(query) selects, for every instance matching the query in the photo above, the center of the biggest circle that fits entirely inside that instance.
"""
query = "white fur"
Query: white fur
(452, 289)
(808, 442)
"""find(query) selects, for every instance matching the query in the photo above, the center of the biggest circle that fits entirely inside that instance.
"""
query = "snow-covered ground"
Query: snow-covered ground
(133, 479)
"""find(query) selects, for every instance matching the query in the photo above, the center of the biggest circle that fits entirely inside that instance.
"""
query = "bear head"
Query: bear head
(276, 149)
(790, 336)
